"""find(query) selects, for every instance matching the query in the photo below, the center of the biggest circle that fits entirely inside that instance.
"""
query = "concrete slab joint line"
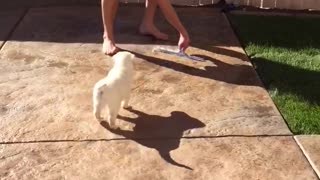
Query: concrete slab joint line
(241, 158)
(310, 146)
(9, 22)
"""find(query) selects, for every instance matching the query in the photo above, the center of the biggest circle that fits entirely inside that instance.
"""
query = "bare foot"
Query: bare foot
(127, 107)
(109, 48)
(153, 31)
(112, 125)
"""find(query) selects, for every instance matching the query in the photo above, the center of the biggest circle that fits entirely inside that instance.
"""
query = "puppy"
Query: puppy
(114, 90)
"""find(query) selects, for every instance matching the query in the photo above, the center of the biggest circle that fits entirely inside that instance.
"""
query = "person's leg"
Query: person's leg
(109, 9)
(147, 26)
(173, 19)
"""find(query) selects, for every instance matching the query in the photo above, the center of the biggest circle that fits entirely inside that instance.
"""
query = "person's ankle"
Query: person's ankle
(109, 47)
(143, 27)
(106, 38)
(184, 34)
(146, 23)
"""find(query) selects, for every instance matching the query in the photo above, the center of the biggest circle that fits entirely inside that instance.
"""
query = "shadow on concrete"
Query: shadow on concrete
(84, 25)
(152, 126)
(233, 74)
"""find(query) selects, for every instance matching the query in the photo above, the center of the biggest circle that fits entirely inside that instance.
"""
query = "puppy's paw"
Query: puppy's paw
(127, 107)
(97, 116)
(113, 127)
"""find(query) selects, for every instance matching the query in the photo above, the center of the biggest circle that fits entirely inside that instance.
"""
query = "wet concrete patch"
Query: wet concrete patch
(21, 56)
(58, 64)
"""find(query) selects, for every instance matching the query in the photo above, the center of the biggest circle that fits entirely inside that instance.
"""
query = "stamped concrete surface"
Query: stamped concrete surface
(8, 19)
(310, 145)
(220, 158)
(53, 59)
(51, 62)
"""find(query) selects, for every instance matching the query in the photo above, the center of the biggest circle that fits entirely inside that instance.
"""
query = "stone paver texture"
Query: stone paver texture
(181, 112)
(310, 145)
(221, 158)
(53, 60)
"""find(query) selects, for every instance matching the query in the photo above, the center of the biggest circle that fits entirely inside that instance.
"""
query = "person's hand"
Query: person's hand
(184, 41)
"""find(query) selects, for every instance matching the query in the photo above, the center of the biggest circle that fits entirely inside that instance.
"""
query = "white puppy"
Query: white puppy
(114, 90)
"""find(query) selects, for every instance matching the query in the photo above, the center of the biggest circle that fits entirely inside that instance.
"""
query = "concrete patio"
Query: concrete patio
(190, 120)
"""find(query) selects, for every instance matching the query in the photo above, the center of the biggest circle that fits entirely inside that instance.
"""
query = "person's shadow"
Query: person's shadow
(158, 127)
(233, 74)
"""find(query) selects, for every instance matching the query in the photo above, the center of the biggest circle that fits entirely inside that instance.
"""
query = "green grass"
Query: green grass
(286, 54)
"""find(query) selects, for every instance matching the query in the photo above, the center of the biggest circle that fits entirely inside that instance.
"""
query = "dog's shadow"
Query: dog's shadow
(152, 126)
